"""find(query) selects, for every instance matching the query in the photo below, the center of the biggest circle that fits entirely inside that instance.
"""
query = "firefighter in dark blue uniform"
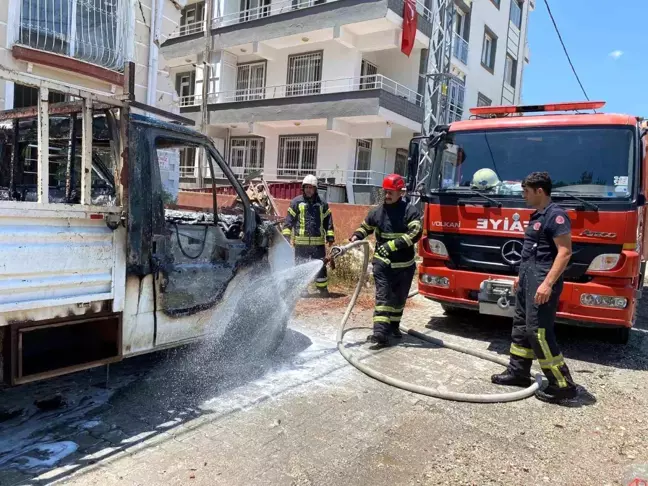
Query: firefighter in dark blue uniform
(397, 227)
(310, 222)
(545, 255)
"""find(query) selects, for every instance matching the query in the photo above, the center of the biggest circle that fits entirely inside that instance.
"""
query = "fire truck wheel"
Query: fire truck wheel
(620, 335)
(451, 310)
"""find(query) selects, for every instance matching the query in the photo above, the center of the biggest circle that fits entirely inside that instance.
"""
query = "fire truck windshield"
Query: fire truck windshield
(589, 162)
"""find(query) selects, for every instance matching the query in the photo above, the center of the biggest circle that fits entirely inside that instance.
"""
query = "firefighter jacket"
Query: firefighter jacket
(397, 228)
(310, 220)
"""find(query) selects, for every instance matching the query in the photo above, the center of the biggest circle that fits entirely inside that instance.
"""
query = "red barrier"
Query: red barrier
(346, 217)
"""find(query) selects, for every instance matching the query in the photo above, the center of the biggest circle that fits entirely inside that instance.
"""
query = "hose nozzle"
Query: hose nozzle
(338, 251)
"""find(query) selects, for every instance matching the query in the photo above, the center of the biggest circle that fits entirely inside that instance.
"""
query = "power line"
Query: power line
(565, 49)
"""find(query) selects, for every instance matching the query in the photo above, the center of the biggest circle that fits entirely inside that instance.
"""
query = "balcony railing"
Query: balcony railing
(330, 176)
(460, 48)
(270, 10)
(89, 30)
(188, 29)
(376, 81)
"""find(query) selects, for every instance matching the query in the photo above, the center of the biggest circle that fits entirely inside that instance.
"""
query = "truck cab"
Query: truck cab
(474, 229)
(98, 263)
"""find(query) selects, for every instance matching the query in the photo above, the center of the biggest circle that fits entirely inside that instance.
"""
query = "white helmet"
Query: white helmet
(484, 179)
(310, 180)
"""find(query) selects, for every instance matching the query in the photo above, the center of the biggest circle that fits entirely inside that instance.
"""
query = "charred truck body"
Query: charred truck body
(96, 263)
(474, 225)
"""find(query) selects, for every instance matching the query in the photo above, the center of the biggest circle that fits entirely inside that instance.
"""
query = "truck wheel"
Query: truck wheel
(620, 335)
(451, 310)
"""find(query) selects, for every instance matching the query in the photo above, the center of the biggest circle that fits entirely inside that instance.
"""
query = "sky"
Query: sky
(605, 40)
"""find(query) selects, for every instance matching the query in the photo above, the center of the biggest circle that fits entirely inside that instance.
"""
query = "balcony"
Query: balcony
(369, 178)
(283, 24)
(347, 97)
(197, 27)
(460, 48)
(92, 31)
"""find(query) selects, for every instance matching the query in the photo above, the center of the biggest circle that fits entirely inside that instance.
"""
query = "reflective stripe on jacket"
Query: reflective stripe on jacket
(310, 221)
(399, 227)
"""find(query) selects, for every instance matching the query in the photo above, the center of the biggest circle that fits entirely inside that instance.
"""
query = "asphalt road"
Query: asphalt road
(306, 417)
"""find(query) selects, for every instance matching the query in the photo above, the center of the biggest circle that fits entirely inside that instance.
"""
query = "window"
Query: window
(254, 9)
(510, 71)
(400, 164)
(185, 86)
(368, 72)
(483, 100)
(88, 30)
(188, 162)
(26, 96)
(456, 93)
(250, 81)
(304, 74)
(246, 155)
(363, 162)
(192, 18)
(489, 48)
(297, 155)
(515, 15)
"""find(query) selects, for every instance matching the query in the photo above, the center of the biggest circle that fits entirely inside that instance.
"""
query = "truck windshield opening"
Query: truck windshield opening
(588, 162)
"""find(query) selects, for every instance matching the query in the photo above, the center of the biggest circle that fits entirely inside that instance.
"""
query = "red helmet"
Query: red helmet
(393, 182)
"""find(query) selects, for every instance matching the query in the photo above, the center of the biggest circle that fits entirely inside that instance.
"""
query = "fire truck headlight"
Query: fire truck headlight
(595, 300)
(434, 280)
(437, 247)
(604, 262)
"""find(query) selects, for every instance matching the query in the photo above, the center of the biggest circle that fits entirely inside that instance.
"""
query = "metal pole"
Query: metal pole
(436, 85)
(204, 105)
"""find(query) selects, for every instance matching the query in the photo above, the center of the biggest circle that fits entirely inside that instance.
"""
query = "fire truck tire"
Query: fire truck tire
(452, 310)
(620, 335)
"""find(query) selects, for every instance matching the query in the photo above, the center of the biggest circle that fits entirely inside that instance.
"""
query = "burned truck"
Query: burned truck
(97, 263)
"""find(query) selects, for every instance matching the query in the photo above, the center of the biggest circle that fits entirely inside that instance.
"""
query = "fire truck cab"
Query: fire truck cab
(472, 244)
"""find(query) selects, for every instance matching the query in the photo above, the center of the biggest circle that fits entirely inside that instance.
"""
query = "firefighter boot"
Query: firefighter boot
(510, 379)
(379, 341)
(324, 292)
(395, 330)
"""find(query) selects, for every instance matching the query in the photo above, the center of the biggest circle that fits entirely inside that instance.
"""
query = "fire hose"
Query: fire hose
(337, 252)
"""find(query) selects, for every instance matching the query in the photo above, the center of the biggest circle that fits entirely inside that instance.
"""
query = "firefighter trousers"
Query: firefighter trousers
(306, 253)
(392, 288)
(533, 335)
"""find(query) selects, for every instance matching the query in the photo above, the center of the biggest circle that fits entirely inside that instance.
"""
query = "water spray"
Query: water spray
(337, 252)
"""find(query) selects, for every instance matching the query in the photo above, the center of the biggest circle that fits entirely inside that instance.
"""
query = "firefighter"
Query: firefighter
(397, 226)
(546, 251)
(310, 219)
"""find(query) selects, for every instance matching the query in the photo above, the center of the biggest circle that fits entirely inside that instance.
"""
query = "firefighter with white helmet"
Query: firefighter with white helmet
(309, 223)
(484, 179)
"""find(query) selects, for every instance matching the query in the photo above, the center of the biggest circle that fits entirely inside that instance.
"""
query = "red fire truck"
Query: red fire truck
(473, 236)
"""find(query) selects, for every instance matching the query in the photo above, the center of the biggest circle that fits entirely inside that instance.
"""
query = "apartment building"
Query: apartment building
(323, 86)
(86, 43)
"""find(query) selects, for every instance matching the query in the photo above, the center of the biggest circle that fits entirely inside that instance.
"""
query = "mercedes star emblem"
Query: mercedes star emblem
(512, 252)
(516, 217)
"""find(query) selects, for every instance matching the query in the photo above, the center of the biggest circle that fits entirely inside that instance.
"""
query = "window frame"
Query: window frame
(510, 65)
(490, 35)
(299, 171)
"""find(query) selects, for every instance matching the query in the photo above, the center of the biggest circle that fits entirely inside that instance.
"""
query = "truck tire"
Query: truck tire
(620, 335)
(451, 310)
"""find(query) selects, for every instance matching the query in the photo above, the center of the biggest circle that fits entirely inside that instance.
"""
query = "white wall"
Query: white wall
(478, 79)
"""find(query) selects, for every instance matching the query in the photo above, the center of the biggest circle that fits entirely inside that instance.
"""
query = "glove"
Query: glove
(383, 251)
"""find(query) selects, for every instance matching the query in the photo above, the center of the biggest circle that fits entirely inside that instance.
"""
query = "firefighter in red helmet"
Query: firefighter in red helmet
(397, 226)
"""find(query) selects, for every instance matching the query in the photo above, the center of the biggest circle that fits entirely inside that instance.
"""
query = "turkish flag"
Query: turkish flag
(409, 26)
